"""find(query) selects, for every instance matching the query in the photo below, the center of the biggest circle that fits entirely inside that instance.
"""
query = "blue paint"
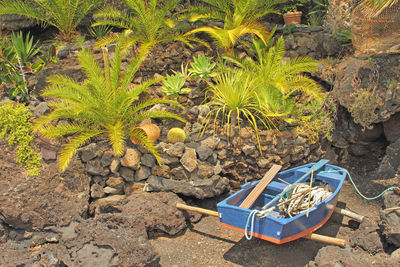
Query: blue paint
(276, 228)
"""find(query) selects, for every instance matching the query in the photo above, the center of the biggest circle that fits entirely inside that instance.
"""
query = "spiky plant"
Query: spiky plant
(233, 95)
(279, 79)
(148, 22)
(65, 15)
(373, 8)
(240, 17)
(105, 105)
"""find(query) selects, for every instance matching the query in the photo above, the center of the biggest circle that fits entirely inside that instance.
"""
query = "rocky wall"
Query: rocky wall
(201, 169)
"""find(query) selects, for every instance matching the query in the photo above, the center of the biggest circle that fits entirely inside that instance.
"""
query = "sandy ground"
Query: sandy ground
(206, 243)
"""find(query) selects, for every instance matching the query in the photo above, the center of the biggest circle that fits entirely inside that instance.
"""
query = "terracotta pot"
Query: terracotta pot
(292, 17)
(150, 129)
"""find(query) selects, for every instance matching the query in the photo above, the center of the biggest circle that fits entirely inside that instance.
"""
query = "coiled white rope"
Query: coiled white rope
(302, 198)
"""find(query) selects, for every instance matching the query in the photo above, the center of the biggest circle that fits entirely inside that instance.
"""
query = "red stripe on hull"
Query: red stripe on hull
(287, 239)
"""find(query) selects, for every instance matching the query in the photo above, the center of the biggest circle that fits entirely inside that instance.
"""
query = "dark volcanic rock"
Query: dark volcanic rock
(378, 74)
(156, 210)
(390, 163)
(331, 256)
(107, 240)
(35, 202)
(391, 128)
(391, 218)
(367, 237)
(200, 189)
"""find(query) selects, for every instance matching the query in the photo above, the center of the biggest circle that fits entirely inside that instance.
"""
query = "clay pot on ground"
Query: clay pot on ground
(150, 129)
(292, 17)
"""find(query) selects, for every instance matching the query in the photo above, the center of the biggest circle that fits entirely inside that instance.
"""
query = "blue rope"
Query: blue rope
(358, 191)
(250, 219)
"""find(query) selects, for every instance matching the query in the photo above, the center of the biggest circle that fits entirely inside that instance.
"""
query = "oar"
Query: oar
(312, 236)
(314, 168)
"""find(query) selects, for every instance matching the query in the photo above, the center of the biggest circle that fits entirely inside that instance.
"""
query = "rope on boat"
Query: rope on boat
(358, 191)
(250, 221)
(292, 204)
(302, 198)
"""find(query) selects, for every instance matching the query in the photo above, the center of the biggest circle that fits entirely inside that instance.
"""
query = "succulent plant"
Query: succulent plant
(176, 135)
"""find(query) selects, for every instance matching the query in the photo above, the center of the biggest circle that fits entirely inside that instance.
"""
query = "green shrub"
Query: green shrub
(316, 120)
(363, 107)
(15, 127)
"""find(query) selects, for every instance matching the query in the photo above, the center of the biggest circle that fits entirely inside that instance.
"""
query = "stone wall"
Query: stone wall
(201, 169)
(15, 22)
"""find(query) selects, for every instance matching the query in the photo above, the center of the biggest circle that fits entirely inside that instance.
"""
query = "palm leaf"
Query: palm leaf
(70, 149)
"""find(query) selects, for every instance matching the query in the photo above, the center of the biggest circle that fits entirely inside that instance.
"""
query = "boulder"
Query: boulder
(378, 75)
(107, 240)
(336, 256)
(15, 22)
(391, 218)
(367, 237)
(200, 189)
(391, 128)
(390, 164)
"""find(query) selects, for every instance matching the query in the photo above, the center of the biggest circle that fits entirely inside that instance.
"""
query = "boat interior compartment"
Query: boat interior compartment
(328, 175)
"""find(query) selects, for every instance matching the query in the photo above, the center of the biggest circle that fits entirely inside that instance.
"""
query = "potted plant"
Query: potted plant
(290, 12)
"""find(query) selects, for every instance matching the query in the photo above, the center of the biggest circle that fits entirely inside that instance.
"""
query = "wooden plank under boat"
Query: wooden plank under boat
(273, 228)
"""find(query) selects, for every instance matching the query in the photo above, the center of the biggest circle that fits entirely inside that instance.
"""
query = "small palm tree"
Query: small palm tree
(261, 90)
(279, 79)
(105, 105)
(65, 15)
(149, 22)
(240, 17)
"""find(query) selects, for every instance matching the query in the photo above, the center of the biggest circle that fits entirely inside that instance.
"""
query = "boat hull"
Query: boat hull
(281, 230)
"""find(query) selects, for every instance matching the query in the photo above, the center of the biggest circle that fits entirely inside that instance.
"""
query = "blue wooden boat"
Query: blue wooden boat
(272, 227)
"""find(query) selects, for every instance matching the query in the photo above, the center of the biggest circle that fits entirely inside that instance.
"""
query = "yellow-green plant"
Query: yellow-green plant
(262, 90)
(176, 135)
(375, 7)
(234, 96)
(15, 127)
(240, 17)
(105, 105)
(148, 23)
(279, 80)
(65, 15)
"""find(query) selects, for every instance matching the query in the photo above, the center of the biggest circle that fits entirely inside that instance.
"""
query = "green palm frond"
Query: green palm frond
(142, 139)
(149, 22)
(77, 141)
(240, 17)
(65, 15)
(105, 104)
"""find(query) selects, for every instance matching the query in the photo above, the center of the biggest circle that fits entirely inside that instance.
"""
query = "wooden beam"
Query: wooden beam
(255, 193)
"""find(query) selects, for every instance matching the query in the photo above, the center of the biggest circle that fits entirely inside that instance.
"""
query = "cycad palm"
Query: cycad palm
(105, 105)
(240, 17)
(65, 15)
(279, 79)
(149, 22)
